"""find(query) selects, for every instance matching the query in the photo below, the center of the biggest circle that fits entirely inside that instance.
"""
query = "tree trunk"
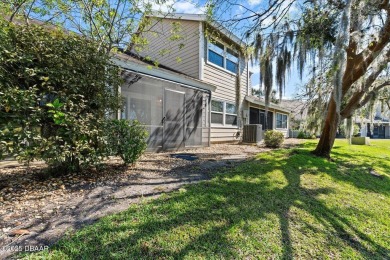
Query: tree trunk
(329, 131)
(340, 61)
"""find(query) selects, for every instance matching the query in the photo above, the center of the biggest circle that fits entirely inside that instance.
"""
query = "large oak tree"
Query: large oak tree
(343, 44)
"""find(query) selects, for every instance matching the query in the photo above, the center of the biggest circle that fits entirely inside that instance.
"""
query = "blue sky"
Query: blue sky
(188, 6)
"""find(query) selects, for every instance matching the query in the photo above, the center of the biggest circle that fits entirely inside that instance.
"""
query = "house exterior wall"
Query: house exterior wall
(226, 91)
(194, 62)
(181, 54)
(275, 111)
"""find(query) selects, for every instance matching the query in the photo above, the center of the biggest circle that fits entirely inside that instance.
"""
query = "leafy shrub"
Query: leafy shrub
(56, 89)
(273, 138)
(343, 133)
(127, 139)
(305, 135)
(301, 135)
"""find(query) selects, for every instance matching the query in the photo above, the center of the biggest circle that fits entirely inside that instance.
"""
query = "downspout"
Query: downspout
(248, 89)
(238, 95)
(209, 119)
(201, 51)
(118, 116)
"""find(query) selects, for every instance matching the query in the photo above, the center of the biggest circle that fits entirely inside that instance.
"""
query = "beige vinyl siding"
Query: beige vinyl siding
(284, 131)
(223, 134)
(244, 81)
(205, 136)
(226, 91)
(159, 41)
(225, 82)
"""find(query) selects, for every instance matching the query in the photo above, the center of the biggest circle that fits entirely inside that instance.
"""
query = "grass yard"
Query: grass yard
(283, 204)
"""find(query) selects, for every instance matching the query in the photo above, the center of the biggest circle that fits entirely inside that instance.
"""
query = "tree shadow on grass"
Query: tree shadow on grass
(355, 168)
(231, 216)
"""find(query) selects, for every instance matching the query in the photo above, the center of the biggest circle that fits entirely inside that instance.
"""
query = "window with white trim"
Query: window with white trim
(222, 56)
(281, 121)
(223, 113)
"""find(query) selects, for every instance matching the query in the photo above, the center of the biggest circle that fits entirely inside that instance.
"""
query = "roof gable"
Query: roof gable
(200, 18)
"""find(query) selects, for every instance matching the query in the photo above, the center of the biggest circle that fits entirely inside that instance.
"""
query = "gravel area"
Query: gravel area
(37, 209)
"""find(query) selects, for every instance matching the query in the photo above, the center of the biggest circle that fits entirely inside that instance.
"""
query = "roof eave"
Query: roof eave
(121, 61)
(262, 103)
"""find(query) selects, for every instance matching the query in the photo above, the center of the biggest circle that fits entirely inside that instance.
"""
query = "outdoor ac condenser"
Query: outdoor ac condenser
(252, 134)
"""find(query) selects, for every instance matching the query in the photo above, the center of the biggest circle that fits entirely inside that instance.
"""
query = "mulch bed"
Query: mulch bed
(37, 208)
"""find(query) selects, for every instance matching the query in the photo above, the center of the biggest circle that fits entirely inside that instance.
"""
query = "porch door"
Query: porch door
(174, 111)
(257, 116)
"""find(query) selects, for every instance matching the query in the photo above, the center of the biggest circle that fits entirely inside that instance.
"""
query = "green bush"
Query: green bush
(56, 89)
(301, 135)
(342, 129)
(126, 139)
(305, 135)
(273, 138)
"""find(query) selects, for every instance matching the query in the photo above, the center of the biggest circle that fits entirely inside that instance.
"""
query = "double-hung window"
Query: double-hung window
(216, 54)
(231, 61)
(223, 113)
(281, 121)
(222, 56)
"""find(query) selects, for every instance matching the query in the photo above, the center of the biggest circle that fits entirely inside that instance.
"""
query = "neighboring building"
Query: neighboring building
(379, 127)
(277, 116)
(215, 63)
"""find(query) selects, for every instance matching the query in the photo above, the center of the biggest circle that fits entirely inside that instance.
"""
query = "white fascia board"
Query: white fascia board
(180, 16)
(163, 74)
(262, 103)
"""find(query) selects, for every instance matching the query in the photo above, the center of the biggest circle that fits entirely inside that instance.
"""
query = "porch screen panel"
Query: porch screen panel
(193, 119)
(174, 119)
(206, 119)
(269, 124)
(145, 103)
(144, 98)
(257, 116)
(254, 117)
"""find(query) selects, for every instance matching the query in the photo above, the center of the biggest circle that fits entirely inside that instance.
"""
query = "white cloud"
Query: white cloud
(255, 67)
(186, 7)
(254, 2)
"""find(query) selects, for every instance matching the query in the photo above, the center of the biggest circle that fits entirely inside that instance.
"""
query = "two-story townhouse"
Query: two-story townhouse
(210, 53)
(205, 53)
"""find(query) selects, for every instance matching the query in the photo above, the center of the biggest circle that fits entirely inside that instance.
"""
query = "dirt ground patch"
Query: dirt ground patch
(37, 209)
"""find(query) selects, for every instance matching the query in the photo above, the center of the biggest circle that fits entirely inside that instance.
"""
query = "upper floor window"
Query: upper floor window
(222, 56)
(281, 121)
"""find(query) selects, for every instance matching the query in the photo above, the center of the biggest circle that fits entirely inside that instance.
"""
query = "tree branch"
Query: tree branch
(358, 64)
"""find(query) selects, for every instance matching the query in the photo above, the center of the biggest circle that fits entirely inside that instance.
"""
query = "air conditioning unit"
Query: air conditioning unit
(252, 133)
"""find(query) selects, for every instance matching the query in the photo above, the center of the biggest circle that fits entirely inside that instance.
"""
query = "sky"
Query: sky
(195, 7)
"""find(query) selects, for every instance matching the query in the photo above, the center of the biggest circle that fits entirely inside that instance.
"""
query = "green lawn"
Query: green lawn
(283, 204)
